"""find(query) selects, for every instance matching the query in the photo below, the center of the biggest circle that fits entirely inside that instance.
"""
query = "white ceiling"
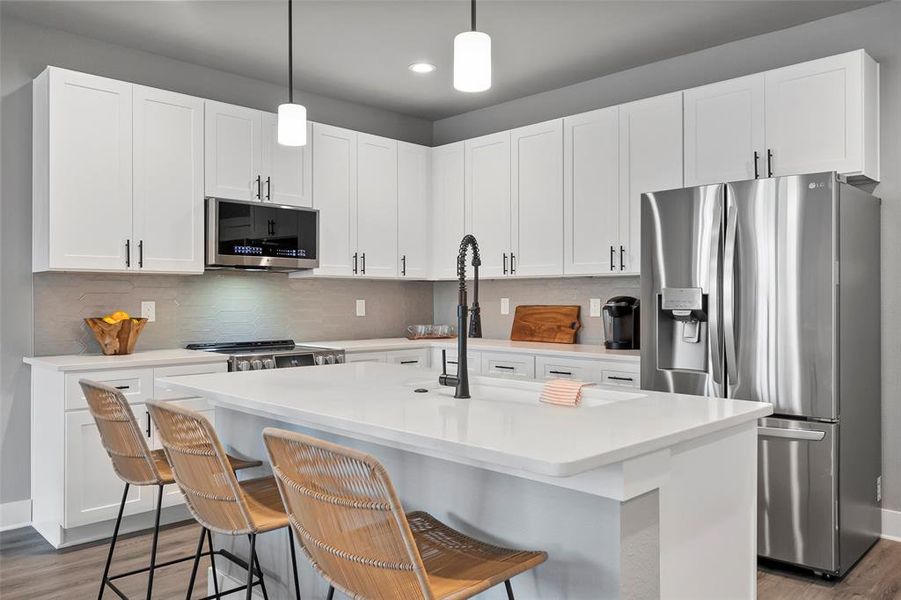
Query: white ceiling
(359, 50)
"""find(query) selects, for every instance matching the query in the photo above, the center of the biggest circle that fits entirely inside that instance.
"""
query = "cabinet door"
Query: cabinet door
(413, 214)
(487, 177)
(518, 366)
(591, 192)
(724, 131)
(93, 490)
(815, 115)
(448, 224)
(537, 195)
(287, 170)
(168, 181)
(410, 358)
(233, 151)
(650, 161)
(352, 357)
(90, 154)
(335, 195)
(377, 205)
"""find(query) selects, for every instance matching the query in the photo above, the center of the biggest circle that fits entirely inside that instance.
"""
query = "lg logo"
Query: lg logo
(814, 185)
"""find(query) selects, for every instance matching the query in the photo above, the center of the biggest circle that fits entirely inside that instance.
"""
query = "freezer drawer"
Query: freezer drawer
(797, 519)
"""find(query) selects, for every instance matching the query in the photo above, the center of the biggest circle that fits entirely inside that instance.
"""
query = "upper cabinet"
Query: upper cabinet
(724, 131)
(244, 160)
(487, 193)
(414, 228)
(821, 115)
(377, 206)
(335, 195)
(650, 139)
(448, 222)
(117, 173)
(537, 199)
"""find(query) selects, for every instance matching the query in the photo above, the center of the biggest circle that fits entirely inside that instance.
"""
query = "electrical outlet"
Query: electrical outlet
(148, 310)
(594, 309)
(361, 308)
(505, 306)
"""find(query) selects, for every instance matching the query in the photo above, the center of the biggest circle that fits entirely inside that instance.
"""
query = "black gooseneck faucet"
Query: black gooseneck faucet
(461, 381)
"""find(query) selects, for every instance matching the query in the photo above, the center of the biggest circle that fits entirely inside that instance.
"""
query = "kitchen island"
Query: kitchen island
(633, 494)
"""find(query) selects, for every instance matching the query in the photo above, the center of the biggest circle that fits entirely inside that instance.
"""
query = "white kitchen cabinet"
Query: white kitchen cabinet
(537, 197)
(234, 151)
(487, 193)
(376, 215)
(286, 171)
(823, 115)
(82, 172)
(413, 210)
(168, 181)
(621, 377)
(419, 358)
(513, 365)
(473, 360)
(353, 357)
(335, 195)
(650, 161)
(448, 222)
(549, 367)
(724, 131)
(591, 192)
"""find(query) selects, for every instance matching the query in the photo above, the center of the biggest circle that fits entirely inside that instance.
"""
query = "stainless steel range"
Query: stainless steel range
(271, 354)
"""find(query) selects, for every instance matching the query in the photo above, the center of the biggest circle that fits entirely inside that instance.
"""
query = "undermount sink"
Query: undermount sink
(521, 392)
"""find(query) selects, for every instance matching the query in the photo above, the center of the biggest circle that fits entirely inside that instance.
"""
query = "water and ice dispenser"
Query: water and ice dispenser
(682, 329)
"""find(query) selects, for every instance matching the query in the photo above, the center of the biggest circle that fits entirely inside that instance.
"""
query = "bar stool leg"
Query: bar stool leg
(331, 592)
(293, 563)
(112, 545)
(196, 563)
(209, 539)
(256, 564)
(253, 552)
(509, 590)
(156, 537)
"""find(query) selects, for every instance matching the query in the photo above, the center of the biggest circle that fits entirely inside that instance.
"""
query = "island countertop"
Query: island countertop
(503, 423)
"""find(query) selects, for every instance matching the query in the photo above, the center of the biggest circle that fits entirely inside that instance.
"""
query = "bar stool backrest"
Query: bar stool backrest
(201, 469)
(120, 434)
(344, 509)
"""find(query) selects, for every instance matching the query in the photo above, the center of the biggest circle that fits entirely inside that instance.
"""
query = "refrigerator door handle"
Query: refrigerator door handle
(807, 435)
(715, 321)
(729, 294)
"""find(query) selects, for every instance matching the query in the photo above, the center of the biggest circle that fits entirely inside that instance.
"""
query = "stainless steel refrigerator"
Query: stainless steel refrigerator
(769, 290)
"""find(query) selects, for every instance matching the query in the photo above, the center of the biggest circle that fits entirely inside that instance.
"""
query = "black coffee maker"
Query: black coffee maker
(621, 323)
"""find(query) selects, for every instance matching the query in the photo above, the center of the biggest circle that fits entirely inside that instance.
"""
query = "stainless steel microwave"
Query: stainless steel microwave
(260, 235)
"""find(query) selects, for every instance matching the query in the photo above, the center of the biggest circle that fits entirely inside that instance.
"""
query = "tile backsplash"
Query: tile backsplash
(570, 290)
(223, 306)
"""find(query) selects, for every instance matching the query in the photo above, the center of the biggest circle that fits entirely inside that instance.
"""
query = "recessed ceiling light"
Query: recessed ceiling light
(422, 67)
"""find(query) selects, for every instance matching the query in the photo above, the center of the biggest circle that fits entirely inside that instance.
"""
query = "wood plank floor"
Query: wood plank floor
(30, 569)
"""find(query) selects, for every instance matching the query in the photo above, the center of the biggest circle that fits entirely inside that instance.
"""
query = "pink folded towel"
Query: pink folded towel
(565, 392)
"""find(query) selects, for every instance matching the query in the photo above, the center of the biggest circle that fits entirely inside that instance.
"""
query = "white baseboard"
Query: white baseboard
(15, 514)
(891, 524)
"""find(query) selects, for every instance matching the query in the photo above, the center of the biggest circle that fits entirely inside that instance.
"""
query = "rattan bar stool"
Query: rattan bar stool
(218, 501)
(351, 526)
(135, 464)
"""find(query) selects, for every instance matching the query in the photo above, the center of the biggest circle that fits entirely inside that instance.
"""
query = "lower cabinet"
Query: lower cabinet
(353, 357)
(512, 365)
(418, 358)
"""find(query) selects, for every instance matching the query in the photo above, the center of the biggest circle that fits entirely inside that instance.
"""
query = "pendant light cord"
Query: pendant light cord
(472, 9)
(290, 52)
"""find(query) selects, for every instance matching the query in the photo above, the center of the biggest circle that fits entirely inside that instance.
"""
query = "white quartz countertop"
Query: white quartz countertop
(586, 351)
(503, 424)
(148, 358)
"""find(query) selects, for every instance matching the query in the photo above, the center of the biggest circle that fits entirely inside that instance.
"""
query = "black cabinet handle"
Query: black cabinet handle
(355, 263)
(409, 362)
(123, 387)
(769, 162)
(567, 373)
(259, 187)
(622, 265)
(756, 169)
(363, 261)
(269, 188)
(512, 263)
(612, 258)
(616, 378)
(505, 263)
(505, 367)
(141, 254)
(127, 253)
(403, 265)
(148, 423)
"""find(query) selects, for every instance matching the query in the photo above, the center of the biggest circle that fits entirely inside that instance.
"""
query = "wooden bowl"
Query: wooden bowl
(116, 338)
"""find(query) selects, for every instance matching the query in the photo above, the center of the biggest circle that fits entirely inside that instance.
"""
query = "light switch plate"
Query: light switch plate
(505, 306)
(148, 310)
(361, 308)
(594, 309)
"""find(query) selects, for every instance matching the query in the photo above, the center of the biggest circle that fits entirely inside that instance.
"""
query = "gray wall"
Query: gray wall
(877, 29)
(25, 50)
(577, 290)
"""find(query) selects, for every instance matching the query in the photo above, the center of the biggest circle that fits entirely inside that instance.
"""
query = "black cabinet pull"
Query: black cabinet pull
(269, 188)
(363, 262)
(259, 187)
(123, 387)
(505, 367)
(756, 169)
(512, 263)
(127, 253)
(403, 265)
(409, 362)
(616, 378)
(567, 373)
(622, 265)
(769, 162)
(141, 254)
(148, 423)
(612, 259)
(355, 263)
(505, 263)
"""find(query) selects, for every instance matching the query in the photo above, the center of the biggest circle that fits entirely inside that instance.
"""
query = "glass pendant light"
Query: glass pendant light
(292, 118)
(472, 58)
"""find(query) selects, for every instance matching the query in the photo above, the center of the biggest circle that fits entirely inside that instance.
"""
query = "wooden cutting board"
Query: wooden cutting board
(546, 323)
